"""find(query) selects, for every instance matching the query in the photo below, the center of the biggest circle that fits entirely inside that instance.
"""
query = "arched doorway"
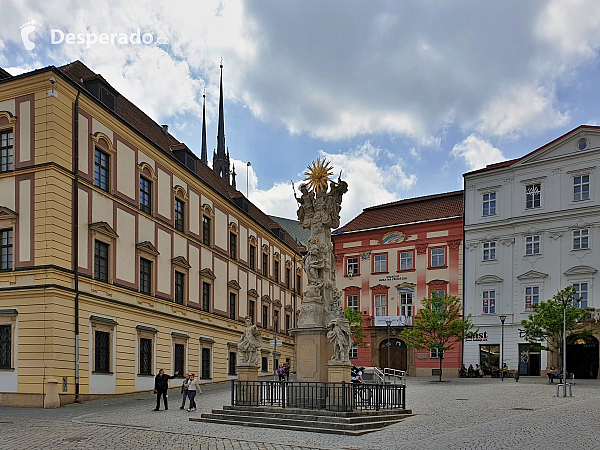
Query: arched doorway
(582, 356)
(397, 354)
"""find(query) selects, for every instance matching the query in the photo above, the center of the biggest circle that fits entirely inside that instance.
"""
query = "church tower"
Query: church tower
(221, 156)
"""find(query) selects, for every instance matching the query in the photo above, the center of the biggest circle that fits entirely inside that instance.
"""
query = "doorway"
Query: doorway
(397, 354)
(529, 360)
(582, 356)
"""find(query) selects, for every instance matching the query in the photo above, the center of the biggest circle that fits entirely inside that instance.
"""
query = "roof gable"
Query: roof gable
(566, 145)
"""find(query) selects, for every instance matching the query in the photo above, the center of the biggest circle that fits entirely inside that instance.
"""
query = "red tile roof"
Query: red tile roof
(418, 209)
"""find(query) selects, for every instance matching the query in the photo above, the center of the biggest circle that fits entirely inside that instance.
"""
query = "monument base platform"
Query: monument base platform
(336, 372)
(313, 350)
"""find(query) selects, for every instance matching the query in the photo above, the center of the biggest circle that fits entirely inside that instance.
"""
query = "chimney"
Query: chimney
(165, 129)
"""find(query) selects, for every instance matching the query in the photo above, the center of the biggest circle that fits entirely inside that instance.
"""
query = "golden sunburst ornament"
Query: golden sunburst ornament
(317, 175)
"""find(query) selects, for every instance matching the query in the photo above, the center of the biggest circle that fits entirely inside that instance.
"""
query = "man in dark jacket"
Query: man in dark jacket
(161, 385)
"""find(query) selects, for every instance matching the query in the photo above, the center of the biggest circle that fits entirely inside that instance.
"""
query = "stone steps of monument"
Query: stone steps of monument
(311, 416)
(318, 412)
(310, 421)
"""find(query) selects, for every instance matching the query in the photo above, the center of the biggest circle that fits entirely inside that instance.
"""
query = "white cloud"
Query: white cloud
(369, 183)
(335, 72)
(519, 110)
(571, 26)
(477, 152)
(415, 154)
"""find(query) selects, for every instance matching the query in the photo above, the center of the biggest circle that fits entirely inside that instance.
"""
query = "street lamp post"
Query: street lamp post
(566, 298)
(388, 322)
(502, 319)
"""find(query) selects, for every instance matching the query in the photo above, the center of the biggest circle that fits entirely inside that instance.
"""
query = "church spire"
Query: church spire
(204, 153)
(221, 156)
(221, 131)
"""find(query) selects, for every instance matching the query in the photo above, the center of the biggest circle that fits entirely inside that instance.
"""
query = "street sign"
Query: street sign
(272, 342)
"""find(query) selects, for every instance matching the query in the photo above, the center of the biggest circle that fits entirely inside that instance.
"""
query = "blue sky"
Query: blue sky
(403, 97)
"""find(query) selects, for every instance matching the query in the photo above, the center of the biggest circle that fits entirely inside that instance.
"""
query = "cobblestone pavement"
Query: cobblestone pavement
(457, 414)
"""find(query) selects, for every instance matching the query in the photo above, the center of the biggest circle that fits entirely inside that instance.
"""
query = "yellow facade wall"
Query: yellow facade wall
(43, 294)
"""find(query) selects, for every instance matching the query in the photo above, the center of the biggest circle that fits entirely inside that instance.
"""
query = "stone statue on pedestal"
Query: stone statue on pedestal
(340, 336)
(319, 210)
(250, 344)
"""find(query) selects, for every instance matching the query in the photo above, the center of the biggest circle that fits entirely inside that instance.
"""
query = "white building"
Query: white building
(532, 227)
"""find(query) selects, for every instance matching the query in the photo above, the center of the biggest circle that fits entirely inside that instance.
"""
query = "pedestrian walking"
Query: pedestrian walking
(281, 372)
(161, 386)
(193, 388)
(184, 391)
(287, 372)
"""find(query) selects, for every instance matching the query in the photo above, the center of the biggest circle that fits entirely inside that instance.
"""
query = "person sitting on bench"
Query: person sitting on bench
(478, 371)
(552, 374)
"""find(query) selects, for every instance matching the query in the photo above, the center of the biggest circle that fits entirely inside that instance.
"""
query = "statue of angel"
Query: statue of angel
(306, 208)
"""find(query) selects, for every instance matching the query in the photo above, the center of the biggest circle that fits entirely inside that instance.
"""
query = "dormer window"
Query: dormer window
(106, 95)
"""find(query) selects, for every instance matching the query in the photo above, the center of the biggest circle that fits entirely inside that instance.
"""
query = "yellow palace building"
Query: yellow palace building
(121, 251)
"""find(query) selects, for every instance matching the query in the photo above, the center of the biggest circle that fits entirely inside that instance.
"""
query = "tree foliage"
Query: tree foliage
(354, 317)
(438, 325)
(546, 324)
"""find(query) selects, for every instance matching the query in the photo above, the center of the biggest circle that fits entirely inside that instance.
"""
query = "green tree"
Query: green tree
(546, 324)
(438, 325)
(354, 317)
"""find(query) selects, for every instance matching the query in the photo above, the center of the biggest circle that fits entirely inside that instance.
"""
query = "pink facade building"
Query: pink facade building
(389, 258)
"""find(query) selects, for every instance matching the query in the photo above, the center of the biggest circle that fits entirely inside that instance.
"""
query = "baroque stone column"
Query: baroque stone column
(323, 334)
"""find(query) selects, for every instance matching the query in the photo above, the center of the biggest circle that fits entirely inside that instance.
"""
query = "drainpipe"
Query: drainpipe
(75, 238)
(462, 356)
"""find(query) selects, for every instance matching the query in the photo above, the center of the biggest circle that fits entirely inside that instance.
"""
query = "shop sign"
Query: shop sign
(479, 337)
(397, 321)
(393, 278)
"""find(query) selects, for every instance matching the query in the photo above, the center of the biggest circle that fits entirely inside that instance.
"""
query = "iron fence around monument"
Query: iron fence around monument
(344, 397)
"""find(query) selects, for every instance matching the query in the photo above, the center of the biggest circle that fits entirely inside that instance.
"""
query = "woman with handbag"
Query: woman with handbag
(193, 388)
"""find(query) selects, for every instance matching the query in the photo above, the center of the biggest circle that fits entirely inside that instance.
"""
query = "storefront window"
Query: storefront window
(489, 357)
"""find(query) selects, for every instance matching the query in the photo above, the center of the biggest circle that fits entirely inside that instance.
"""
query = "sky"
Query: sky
(402, 97)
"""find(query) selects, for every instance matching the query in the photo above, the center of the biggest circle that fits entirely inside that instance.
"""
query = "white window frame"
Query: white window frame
(532, 294)
(491, 297)
(443, 256)
(578, 290)
(532, 240)
(379, 260)
(581, 184)
(581, 235)
(490, 202)
(489, 251)
(354, 351)
(435, 353)
(530, 190)
(406, 304)
(380, 304)
(405, 257)
(354, 298)
(352, 265)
